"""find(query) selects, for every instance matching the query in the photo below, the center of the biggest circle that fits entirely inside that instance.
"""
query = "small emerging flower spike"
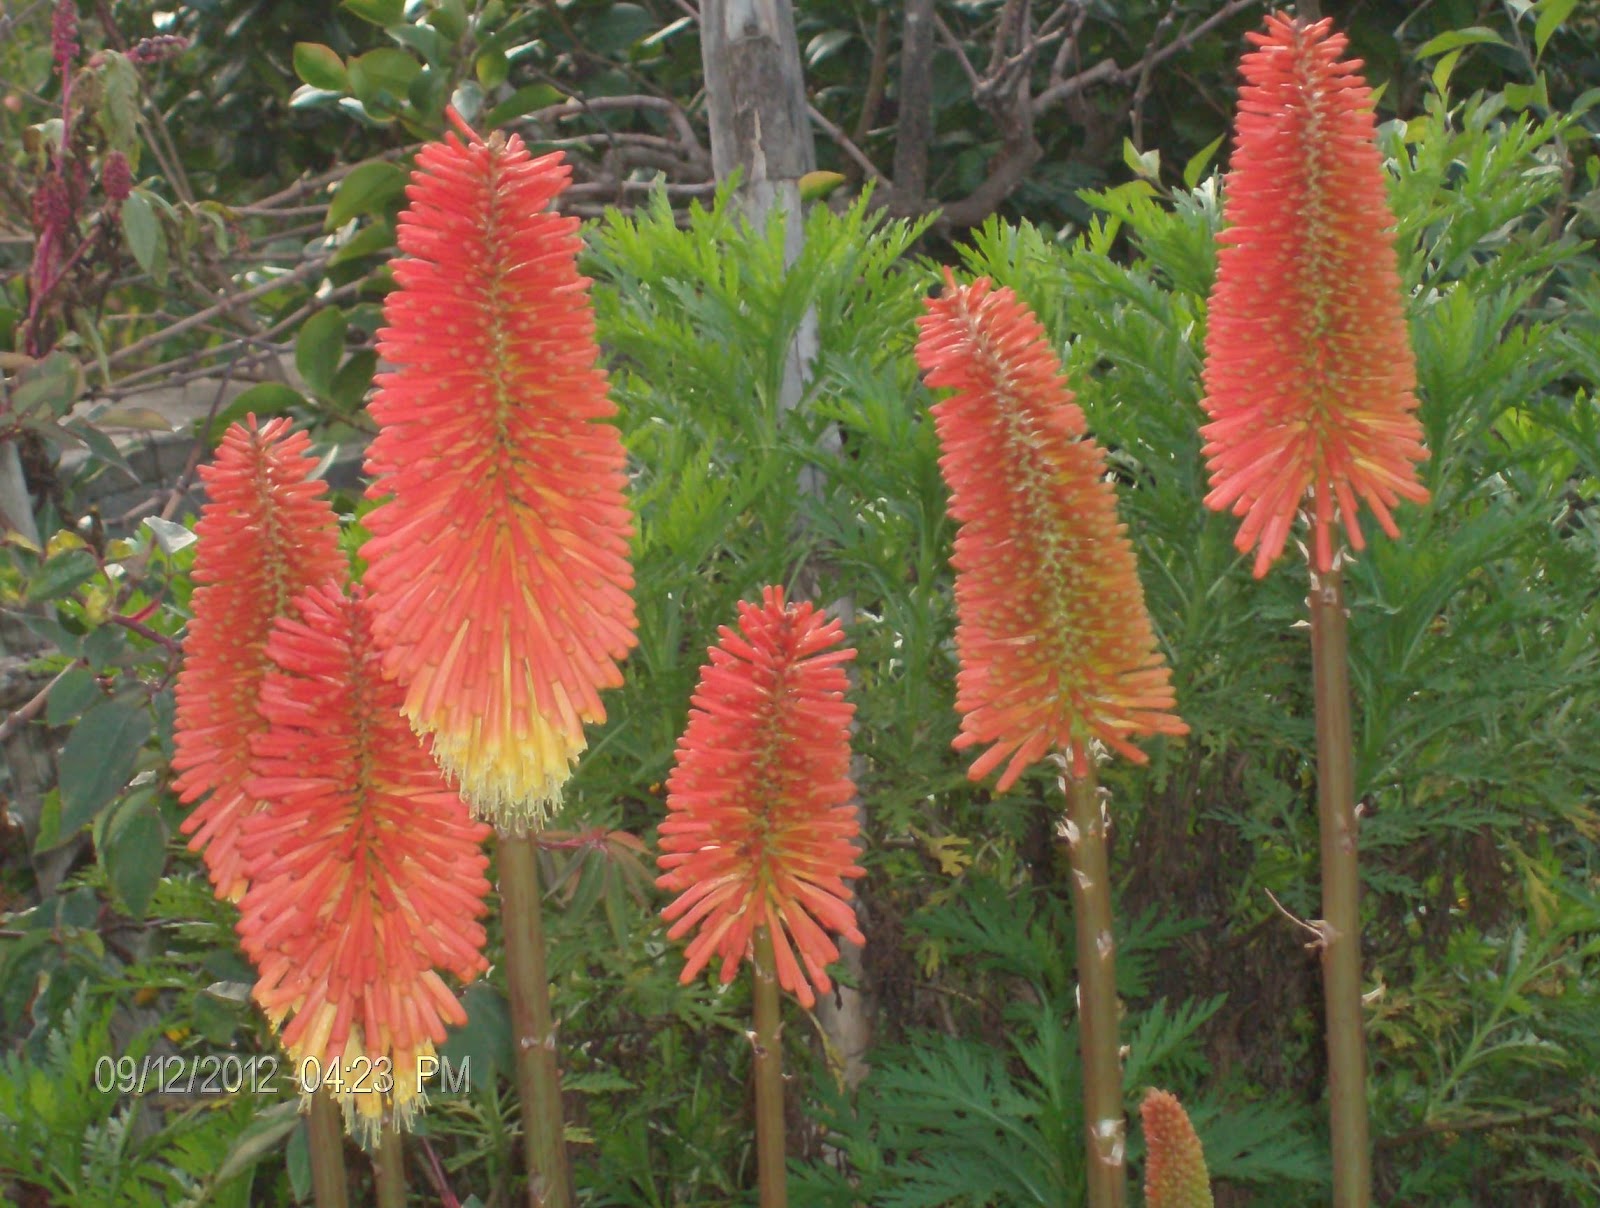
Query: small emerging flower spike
(498, 563)
(265, 533)
(366, 869)
(1175, 1174)
(1056, 647)
(761, 831)
(1309, 374)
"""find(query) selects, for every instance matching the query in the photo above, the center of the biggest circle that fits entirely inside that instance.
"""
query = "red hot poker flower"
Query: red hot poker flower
(761, 831)
(1056, 647)
(366, 870)
(499, 565)
(1175, 1174)
(266, 532)
(1309, 374)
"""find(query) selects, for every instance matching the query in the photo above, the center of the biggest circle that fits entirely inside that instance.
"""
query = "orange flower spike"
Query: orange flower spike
(1309, 374)
(366, 870)
(760, 829)
(1055, 645)
(498, 564)
(265, 532)
(1175, 1174)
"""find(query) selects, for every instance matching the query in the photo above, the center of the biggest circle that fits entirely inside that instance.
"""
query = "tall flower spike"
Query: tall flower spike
(761, 831)
(266, 532)
(1309, 374)
(1175, 1174)
(499, 563)
(366, 870)
(1056, 647)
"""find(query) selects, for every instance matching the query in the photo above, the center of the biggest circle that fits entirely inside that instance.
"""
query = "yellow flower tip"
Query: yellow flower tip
(372, 1094)
(513, 783)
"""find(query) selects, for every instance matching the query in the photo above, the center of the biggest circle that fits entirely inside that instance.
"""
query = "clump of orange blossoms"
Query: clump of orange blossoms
(1175, 1174)
(1309, 374)
(1056, 647)
(366, 871)
(761, 830)
(498, 563)
(266, 532)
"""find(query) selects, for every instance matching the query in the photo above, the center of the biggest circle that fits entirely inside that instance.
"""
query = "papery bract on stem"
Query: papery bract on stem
(1309, 374)
(266, 531)
(366, 871)
(498, 561)
(761, 830)
(1056, 648)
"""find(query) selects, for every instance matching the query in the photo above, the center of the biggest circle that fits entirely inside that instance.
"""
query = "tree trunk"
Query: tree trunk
(761, 129)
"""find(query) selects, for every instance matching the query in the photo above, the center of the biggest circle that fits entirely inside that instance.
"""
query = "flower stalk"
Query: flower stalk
(1341, 895)
(532, 1023)
(1084, 834)
(389, 1169)
(771, 1162)
(325, 1134)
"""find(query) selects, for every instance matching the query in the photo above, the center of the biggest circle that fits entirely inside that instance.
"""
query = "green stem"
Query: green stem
(532, 1028)
(389, 1169)
(1341, 897)
(1085, 834)
(325, 1132)
(771, 1160)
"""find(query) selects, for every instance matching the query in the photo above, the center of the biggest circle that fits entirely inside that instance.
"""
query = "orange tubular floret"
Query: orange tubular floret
(761, 830)
(1309, 374)
(498, 564)
(265, 533)
(1055, 645)
(366, 872)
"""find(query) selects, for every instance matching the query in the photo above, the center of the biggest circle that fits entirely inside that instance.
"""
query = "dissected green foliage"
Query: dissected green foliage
(1474, 659)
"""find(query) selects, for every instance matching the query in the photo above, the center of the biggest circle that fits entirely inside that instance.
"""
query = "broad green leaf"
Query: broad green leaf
(98, 760)
(169, 535)
(262, 400)
(128, 418)
(379, 12)
(1442, 70)
(826, 44)
(492, 67)
(1455, 39)
(484, 1041)
(49, 386)
(267, 1131)
(354, 378)
(423, 39)
(1200, 161)
(72, 695)
(1141, 163)
(61, 574)
(1551, 14)
(366, 188)
(522, 102)
(382, 71)
(622, 25)
(135, 855)
(320, 67)
(119, 104)
(319, 348)
(1523, 96)
(142, 230)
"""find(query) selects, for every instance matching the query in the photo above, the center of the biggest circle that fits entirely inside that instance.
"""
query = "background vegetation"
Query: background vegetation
(268, 154)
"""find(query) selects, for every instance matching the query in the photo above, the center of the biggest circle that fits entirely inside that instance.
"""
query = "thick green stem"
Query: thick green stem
(389, 1169)
(1341, 897)
(325, 1132)
(1085, 834)
(532, 1028)
(771, 1161)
